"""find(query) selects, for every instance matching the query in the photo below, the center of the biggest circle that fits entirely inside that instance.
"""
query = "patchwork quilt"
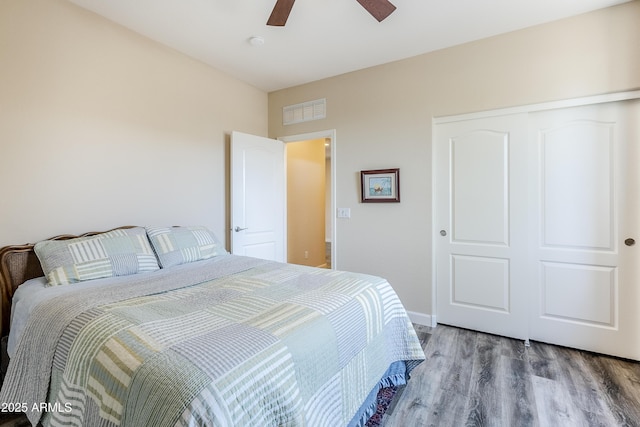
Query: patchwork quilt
(232, 341)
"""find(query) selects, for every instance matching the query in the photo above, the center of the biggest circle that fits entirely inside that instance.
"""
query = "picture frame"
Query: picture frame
(380, 186)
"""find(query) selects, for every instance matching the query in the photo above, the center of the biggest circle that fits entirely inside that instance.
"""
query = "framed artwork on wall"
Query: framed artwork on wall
(380, 186)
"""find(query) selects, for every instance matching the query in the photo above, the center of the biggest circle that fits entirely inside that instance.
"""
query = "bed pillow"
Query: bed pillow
(114, 253)
(181, 245)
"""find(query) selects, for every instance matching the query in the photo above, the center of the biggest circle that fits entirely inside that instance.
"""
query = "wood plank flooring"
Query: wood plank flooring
(476, 379)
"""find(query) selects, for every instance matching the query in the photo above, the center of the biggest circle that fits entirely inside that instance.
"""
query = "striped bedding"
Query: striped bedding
(232, 341)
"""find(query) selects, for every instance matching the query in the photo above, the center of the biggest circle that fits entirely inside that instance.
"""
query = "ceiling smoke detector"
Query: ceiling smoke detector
(256, 40)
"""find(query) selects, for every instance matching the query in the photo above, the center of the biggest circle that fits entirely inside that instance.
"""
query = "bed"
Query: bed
(162, 327)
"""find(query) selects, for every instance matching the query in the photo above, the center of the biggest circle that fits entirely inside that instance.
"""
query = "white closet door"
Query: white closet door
(585, 192)
(480, 218)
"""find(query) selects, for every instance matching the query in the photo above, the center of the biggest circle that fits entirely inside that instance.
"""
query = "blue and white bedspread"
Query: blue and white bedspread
(233, 341)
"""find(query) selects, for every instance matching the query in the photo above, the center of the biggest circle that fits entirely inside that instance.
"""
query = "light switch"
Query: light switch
(344, 213)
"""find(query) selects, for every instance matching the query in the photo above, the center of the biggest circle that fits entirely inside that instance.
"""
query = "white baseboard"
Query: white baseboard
(422, 319)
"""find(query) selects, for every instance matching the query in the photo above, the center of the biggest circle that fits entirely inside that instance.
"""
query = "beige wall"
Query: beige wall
(382, 117)
(306, 202)
(101, 127)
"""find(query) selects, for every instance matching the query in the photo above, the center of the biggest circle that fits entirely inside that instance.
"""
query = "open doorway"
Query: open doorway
(310, 165)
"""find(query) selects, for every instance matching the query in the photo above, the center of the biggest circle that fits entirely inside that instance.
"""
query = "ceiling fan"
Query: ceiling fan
(380, 9)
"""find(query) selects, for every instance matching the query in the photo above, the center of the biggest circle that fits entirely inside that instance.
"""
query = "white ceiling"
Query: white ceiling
(323, 38)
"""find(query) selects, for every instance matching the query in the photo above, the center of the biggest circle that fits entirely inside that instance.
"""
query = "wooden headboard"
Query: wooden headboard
(19, 263)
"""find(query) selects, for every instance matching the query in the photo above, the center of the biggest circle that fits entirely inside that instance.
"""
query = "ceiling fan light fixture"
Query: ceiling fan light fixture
(280, 13)
(379, 9)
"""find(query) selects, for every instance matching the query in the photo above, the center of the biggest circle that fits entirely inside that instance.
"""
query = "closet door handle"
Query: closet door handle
(629, 242)
(238, 229)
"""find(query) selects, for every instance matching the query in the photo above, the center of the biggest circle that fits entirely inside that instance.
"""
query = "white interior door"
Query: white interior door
(586, 187)
(480, 217)
(257, 197)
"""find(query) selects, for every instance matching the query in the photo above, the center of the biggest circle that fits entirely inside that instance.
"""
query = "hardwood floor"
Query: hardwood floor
(476, 379)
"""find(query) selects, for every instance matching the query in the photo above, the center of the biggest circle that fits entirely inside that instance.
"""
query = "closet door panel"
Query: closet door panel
(480, 217)
(585, 186)
(480, 187)
(578, 185)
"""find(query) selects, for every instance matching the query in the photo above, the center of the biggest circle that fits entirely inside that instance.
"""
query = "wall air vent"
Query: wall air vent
(304, 112)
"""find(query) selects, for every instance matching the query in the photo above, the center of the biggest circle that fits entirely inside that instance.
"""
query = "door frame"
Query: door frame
(331, 134)
(545, 106)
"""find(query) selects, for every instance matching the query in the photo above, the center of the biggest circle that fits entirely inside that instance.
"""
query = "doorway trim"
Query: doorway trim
(331, 134)
(543, 106)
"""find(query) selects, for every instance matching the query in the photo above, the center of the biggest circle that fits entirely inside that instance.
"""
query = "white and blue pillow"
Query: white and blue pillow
(181, 245)
(119, 252)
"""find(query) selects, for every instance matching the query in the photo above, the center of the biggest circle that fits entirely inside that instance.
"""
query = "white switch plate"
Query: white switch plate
(344, 213)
